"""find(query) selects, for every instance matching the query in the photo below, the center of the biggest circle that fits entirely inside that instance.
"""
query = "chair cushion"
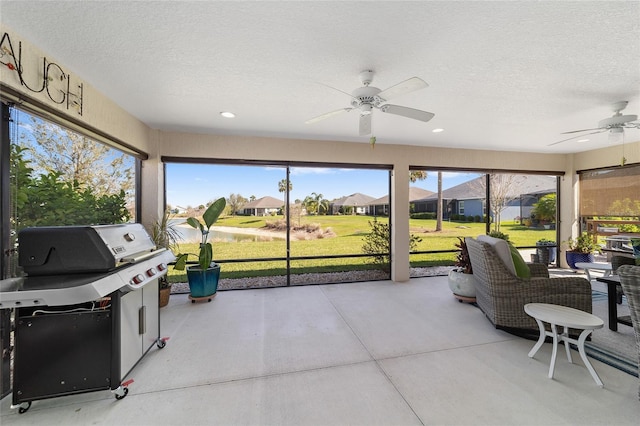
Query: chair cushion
(501, 247)
(522, 269)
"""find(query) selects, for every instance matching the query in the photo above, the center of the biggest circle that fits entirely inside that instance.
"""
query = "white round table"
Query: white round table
(599, 266)
(565, 317)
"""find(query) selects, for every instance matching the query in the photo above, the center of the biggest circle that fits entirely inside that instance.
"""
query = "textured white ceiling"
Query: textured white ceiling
(507, 75)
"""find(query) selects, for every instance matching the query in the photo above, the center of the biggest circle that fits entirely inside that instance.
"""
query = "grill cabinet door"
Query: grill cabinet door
(139, 325)
(61, 354)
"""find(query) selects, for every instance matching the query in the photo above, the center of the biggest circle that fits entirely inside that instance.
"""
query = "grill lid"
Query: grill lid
(55, 250)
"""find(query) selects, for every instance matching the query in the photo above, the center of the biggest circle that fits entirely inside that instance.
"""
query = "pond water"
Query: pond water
(192, 235)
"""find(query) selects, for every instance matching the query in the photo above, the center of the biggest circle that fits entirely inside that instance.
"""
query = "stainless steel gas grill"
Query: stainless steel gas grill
(87, 310)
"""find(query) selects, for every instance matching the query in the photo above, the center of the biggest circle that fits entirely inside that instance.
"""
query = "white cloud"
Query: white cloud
(312, 171)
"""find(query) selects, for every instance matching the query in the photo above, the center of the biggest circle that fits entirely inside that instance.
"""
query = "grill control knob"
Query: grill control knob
(138, 279)
(151, 272)
(162, 267)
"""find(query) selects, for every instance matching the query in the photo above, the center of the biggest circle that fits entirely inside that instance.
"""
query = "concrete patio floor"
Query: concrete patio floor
(373, 353)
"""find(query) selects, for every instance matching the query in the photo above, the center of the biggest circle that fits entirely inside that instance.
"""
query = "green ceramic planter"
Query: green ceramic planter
(203, 283)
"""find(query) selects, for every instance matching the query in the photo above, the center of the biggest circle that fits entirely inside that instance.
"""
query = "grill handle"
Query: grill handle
(142, 320)
(142, 257)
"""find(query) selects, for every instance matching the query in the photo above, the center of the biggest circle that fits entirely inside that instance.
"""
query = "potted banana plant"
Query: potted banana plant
(203, 277)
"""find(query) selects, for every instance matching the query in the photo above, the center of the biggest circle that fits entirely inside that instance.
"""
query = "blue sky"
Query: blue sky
(194, 184)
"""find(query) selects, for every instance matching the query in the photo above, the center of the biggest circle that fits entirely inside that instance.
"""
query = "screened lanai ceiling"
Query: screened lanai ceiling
(502, 75)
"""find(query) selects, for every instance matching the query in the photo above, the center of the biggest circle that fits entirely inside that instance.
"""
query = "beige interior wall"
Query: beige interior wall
(608, 157)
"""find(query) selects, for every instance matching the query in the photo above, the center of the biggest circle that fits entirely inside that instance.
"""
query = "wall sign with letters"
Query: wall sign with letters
(52, 81)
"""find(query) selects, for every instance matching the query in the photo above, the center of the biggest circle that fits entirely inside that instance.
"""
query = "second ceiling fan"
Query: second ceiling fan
(367, 98)
(614, 124)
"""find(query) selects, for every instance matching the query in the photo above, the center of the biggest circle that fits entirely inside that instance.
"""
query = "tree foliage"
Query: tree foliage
(316, 204)
(236, 202)
(545, 208)
(378, 243)
(416, 175)
(48, 199)
(77, 158)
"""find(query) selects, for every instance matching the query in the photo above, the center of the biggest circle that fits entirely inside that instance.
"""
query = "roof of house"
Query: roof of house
(356, 199)
(475, 188)
(264, 203)
(415, 193)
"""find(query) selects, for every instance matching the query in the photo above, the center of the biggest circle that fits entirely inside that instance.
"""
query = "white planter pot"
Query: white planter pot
(462, 284)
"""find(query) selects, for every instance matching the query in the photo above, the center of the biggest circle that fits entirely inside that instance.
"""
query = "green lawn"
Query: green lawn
(349, 231)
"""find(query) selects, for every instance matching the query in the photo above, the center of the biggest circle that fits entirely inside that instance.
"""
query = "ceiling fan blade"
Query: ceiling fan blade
(416, 114)
(579, 136)
(407, 86)
(337, 90)
(583, 130)
(365, 124)
(327, 115)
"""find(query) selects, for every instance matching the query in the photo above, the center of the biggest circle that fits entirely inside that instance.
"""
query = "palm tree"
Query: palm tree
(310, 204)
(315, 203)
(282, 187)
(323, 206)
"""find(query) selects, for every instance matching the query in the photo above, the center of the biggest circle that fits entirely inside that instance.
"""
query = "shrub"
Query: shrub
(377, 243)
(498, 234)
(423, 215)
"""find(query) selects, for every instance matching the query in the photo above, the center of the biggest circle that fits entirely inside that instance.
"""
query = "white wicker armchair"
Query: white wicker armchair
(630, 281)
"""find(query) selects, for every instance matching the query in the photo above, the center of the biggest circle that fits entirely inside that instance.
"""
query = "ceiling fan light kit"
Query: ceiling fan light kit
(368, 97)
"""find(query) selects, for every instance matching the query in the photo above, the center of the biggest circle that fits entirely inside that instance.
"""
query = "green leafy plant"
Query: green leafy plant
(584, 243)
(210, 216)
(545, 208)
(378, 243)
(164, 235)
(545, 242)
(498, 234)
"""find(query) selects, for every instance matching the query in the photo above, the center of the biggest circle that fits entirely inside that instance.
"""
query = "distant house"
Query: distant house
(355, 203)
(468, 198)
(265, 206)
(380, 206)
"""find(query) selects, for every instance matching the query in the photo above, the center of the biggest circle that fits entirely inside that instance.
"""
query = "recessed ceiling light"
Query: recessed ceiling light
(227, 114)
(583, 140)
(437, 130)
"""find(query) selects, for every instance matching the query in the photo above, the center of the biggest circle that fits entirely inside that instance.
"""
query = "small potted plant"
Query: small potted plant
(461, 280)
(580, 249)
(164, 235)
(546, 251)
(203, 277)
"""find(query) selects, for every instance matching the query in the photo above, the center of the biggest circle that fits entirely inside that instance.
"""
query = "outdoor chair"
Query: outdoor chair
(630, 281)
(616, 262)
(501, 294)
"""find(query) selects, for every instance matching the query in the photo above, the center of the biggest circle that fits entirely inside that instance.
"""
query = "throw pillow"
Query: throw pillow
(522, 269)
(501, 248)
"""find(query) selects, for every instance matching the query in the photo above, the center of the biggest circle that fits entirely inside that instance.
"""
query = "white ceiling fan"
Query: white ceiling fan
(366, 98)
(614, 124)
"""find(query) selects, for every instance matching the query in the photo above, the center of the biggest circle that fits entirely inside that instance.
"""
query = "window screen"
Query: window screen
(610, 192)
